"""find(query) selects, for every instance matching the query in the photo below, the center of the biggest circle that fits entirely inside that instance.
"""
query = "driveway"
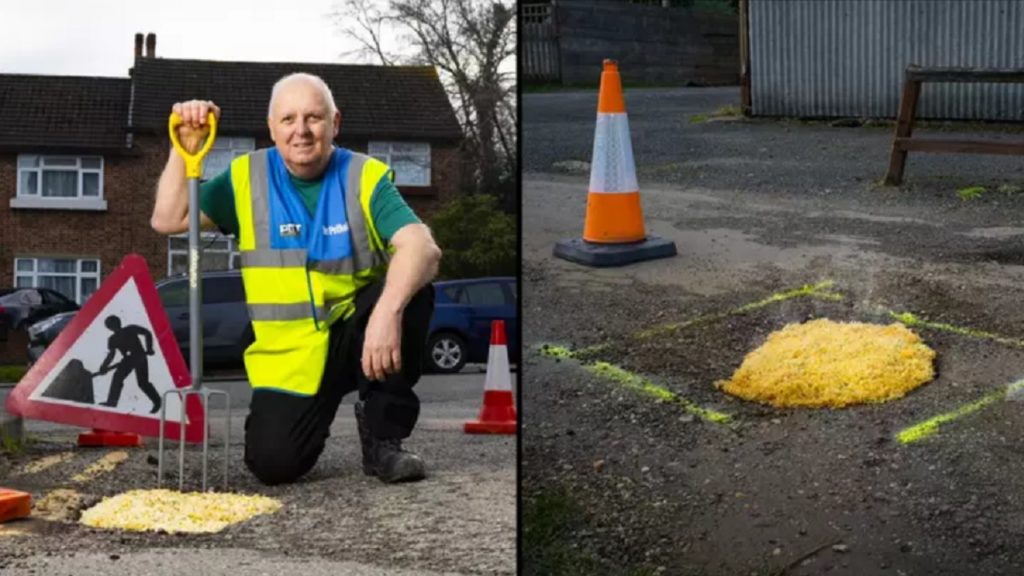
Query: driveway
(634, 462)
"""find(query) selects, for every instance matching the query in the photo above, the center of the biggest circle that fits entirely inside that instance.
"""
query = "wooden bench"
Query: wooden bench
(903, 143)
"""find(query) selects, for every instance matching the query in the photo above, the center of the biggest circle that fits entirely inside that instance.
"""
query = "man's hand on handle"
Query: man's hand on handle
(194, 127)
(170, 211)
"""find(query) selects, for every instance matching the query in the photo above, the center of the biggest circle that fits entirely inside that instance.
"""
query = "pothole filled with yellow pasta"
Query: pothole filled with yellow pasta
(822, 363)
(172, 511)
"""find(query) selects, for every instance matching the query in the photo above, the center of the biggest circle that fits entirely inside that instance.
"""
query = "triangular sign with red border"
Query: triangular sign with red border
(109, 367)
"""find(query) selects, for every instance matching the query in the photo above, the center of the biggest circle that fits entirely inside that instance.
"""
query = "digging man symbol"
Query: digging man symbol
(133, 359)
(336, 269)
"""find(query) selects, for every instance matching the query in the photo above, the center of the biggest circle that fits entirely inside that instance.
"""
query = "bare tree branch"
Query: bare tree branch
(470, 42)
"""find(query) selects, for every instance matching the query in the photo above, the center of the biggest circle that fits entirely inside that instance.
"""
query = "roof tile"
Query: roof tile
(375, 101)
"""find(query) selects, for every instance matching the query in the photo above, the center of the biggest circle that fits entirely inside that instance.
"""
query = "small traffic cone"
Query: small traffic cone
(613, 232)
(100, 438)
(14, 504)
(498, 415)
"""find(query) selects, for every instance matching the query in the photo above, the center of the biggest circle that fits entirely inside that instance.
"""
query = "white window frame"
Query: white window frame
(79, 274)
(384, 150)
(234, 145)
(26, 198)
(234, 260)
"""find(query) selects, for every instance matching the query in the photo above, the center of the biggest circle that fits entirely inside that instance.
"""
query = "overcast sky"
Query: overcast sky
(96, 37)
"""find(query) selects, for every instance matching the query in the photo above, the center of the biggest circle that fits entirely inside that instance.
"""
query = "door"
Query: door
(174, 297)
(488, 301)
(224, 319)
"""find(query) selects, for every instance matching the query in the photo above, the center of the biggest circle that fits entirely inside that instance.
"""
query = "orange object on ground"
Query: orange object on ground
(108, 438)
(498, 415)
(613, 230)
(14, 504)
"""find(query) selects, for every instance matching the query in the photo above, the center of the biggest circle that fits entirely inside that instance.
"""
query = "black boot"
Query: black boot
(385, 458)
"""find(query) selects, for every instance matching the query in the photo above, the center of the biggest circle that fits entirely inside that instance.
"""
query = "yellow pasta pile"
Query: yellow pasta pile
(824, 363)
(176, 511)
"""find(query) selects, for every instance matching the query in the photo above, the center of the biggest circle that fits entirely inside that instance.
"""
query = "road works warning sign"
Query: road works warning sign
(110, 366)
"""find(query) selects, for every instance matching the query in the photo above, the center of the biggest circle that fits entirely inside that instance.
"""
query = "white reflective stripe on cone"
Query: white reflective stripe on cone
(498, 377)
(612, 169)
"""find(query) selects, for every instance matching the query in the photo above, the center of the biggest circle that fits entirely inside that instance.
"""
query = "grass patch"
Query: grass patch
(729, 111)
(12, 372)
(970, 193)
(10, 444)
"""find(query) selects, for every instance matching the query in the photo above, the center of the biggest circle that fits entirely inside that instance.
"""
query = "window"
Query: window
(173, 294)
(228, 290)
(488, 294)
(225, 150)
(60, 176)
(76, 279)
(409, 160)
(220, 252)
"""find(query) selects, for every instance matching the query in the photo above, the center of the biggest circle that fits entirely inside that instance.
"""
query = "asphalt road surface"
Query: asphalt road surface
(625, 468)
(460, 520)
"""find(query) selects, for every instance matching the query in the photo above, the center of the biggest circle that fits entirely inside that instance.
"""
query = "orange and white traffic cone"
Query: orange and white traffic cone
(14, 504)
(613, 232)
(498, 416)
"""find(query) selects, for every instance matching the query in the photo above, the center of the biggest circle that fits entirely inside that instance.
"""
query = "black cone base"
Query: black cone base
(590, 254)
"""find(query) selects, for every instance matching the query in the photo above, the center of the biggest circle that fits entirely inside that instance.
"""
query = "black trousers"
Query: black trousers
(285, 433)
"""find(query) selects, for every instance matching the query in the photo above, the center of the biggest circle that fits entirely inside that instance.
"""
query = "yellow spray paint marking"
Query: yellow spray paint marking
(60, 505)
(44, 463)
(10, 531)
(557, 351)
(172, 511)
(646, 387)
(101, 466)
(931, 426)
(639, 384)
(912, 320)
(63, 504)
(821, 291)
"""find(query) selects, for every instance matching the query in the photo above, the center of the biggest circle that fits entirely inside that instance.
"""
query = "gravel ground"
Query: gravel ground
(615, 482)
(461, 520)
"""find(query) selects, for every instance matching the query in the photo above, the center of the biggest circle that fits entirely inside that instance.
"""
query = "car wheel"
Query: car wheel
(446, 353)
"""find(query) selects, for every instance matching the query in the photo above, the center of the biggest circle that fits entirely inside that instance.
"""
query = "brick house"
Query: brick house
(80, 156)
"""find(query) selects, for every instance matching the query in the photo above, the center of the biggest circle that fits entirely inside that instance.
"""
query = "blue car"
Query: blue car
(460, 330)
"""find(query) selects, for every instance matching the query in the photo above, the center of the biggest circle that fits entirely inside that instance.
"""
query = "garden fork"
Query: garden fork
(194, 171)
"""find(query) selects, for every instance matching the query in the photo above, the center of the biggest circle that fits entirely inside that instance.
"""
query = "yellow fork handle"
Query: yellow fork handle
(193, 162)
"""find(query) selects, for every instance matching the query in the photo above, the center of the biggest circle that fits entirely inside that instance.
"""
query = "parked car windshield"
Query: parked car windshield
(51, 297)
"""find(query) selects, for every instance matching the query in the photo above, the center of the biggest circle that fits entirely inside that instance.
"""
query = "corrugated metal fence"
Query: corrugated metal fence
(829, 58)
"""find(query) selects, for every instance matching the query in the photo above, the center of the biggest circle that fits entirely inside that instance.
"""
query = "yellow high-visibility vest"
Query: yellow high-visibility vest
(293, 300)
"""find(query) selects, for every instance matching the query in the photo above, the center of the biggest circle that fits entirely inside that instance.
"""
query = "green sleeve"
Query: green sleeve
(217, 201)
(389, 210)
